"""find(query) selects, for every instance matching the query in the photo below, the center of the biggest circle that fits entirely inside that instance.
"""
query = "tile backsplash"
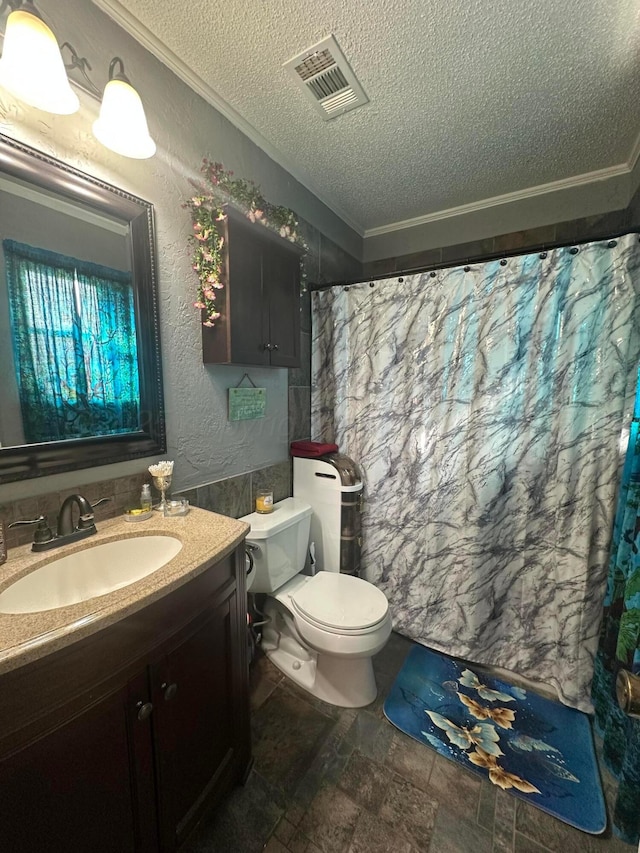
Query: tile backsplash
(234, 497)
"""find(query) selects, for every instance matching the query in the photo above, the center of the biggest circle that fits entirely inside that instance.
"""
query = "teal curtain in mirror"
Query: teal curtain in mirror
(620, 645)
(74, 345)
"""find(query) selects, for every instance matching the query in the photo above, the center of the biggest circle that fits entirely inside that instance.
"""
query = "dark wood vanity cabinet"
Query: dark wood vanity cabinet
(122, 740)
(260, 301)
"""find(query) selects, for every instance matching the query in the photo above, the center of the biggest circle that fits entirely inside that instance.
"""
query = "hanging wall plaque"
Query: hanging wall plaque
(247, 404)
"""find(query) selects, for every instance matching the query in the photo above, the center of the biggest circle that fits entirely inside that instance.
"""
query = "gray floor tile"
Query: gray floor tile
(391, 658)
(331, 820)
(284, 831)
(453, 834)
(411, 811)
(326, 768)
(411, 760)
(371, 735)
(454, 787)
(364, 781)
(526, 845)
(288, 734)
(244, 824)
(487, 805)
(559, 837)
(275, 846)
(504, 822)
(373, 835)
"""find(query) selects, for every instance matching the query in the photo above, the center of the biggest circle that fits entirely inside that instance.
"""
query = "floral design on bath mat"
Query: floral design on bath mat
(530, 746)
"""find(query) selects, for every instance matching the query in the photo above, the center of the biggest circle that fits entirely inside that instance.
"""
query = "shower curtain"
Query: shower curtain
(485, 405)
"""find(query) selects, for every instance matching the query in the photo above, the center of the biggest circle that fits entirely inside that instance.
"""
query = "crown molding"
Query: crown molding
(507, 198)
(635, 154)
(145, 37)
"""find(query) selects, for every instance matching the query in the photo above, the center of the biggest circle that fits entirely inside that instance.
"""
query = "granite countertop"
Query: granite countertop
(206, 537)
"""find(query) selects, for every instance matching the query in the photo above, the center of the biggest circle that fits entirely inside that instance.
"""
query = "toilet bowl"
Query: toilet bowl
(323, 630)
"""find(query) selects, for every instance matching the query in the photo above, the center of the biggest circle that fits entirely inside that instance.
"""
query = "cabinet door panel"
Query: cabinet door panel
(193, 721)
(281, 280)
(249, 317)
(72, 789)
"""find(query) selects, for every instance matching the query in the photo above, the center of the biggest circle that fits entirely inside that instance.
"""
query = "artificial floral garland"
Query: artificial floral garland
(220, 188)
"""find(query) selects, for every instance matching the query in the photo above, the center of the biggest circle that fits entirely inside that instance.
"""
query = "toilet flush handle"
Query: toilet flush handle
(249, 559)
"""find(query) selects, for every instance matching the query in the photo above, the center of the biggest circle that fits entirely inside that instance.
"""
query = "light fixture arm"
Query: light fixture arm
(117, 75)
(81, 64)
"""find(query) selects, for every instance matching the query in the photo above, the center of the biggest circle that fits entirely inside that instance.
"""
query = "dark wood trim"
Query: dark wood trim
(36, 460)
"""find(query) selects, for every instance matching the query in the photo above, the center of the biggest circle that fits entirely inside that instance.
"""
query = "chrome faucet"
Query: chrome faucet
(66, 531)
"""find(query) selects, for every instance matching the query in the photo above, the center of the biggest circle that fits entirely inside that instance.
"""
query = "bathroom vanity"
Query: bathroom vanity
(125, 717)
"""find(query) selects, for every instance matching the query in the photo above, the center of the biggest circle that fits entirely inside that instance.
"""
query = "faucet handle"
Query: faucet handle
(43, 531)
(101, 501)
(86, 520)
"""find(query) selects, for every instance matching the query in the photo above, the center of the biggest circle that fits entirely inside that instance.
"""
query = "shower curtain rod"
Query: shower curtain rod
(476, 259)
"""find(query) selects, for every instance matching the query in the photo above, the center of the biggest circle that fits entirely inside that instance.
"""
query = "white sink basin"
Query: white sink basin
(86, 574)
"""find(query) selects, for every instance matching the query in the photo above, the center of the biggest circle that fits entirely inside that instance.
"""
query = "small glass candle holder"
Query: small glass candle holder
(179, 506)
(264, 500)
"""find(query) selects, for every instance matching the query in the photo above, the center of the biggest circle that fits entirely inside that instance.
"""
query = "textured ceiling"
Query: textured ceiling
(468, 100)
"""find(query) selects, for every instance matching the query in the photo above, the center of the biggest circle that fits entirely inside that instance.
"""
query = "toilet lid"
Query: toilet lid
(340, 601)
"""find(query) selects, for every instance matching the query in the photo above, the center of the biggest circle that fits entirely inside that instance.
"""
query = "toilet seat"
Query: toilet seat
(340, 604)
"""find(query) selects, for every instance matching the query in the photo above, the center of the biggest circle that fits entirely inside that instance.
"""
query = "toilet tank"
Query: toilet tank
(278, 542)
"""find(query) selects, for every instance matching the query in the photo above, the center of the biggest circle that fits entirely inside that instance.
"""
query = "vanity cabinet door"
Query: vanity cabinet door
(193, 721)
(75, 787)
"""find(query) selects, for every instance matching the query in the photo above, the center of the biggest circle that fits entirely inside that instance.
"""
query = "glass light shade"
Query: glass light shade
(31, 67)
(122, 124)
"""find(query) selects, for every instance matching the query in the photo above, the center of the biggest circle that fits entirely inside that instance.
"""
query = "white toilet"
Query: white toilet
(322, 631)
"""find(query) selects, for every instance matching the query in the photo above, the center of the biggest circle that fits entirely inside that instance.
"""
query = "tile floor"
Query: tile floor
(346, 781)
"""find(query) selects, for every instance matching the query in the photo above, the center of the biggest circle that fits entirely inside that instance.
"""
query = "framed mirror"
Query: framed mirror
(81, 378)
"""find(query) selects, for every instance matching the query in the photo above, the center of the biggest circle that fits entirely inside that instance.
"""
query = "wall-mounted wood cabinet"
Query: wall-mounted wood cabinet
(120, 741)
(260, 301)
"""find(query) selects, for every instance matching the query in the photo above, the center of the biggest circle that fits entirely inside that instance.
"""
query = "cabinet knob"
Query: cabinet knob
(170, 690)
(144, 710)
(274, 346)
(268, 347)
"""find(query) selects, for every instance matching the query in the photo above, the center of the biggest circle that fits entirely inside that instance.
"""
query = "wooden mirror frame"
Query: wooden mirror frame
(36, 460)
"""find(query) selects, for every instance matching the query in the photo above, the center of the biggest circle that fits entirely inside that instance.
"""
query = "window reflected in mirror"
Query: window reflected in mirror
(75, 356)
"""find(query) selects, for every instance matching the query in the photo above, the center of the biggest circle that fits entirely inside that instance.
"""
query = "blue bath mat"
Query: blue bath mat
(538, 750)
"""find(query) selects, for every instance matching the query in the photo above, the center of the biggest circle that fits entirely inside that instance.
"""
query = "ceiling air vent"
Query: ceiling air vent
(326, 77)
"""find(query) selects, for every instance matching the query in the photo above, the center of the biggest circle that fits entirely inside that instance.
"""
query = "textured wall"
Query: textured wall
(204, 445)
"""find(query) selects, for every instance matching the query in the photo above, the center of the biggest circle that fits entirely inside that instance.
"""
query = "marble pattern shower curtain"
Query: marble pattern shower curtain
(485, 406)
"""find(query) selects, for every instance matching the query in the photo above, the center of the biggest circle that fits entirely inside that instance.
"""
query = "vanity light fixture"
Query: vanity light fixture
(122, 124)
(32, 69)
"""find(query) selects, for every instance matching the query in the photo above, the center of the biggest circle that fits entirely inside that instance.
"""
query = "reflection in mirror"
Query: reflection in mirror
(79, 344)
